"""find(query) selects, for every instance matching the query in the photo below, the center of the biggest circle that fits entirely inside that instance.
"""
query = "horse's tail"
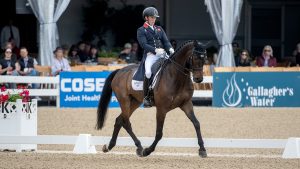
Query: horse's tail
(104, 100)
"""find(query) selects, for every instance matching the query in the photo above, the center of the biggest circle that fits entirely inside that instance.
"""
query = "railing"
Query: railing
(38, 80)
(85, 143)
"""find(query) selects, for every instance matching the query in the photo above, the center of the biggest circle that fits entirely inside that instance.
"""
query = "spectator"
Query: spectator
(126, 54)
(87, 49)
(93, 56)
(66, 50)
(267, 59)
(73, 56)
(26, 64)
(297, 54)
(9, 45)
(81, 52)
(8, 65)
(136, 52)
(59, 63)
(236, 52)
(244, 59)
(25, 67)
(10, 33)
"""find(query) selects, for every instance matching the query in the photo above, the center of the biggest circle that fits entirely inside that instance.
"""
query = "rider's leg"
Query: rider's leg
(150, 60)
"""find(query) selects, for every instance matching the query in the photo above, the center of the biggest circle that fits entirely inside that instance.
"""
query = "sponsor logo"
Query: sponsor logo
(252, 95)
(232, 95)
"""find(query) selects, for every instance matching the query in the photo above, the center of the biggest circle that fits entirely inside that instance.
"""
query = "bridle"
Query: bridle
(183, 69)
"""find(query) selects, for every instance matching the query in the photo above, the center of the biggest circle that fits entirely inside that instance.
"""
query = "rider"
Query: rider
(155, 43)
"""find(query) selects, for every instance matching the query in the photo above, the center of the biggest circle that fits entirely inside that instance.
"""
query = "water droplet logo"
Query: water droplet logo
(232, 94)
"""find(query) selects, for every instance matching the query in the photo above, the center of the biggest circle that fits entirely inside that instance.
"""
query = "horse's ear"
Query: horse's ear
(196, 43)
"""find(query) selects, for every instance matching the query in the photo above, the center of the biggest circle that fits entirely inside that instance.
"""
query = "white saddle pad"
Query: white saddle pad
(138, 85)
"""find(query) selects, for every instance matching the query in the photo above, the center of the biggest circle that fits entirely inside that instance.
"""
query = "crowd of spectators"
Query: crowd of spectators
(16, 60)
(243, 58)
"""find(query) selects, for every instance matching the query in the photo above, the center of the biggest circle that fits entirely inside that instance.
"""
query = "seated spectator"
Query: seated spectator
(93, 56)
(87, 48)
(236, 52)
(81, 52)
(8, 66)
(59, 63)
(73, 56)
(66, 50)
(9, 45)
(127, 55)
(267, 59)
(297, 54)
(244, 59)
(25, 67)
(26, 64)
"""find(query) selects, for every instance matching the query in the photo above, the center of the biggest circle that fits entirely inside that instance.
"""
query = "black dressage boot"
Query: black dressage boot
(147, 97)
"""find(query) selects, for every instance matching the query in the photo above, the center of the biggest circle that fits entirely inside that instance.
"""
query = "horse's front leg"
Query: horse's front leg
(189, 111)
(160, 119)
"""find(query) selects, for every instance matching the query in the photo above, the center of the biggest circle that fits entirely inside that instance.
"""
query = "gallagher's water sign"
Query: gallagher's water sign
(83, 89)
(256, 89)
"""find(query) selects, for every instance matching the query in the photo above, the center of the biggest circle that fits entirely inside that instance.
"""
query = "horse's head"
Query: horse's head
(197, 61)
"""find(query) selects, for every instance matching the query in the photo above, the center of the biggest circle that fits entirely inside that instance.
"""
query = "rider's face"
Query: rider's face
(151, 20)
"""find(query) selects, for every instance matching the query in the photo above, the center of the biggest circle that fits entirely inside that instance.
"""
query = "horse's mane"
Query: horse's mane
(178, 50)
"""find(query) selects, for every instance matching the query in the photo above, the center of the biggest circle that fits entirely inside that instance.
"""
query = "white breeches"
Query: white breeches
(150, 60)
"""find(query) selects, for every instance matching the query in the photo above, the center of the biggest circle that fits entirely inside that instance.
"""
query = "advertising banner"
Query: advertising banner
(83, 89)
(256, 89)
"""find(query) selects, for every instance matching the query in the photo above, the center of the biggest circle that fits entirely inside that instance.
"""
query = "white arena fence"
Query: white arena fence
(55, 83)
(53, 80)
(85, 143)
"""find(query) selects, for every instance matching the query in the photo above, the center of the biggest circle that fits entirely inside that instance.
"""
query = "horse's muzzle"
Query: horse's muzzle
(198, 80)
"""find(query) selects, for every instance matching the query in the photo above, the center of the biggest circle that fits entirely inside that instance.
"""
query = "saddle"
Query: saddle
(155, 69)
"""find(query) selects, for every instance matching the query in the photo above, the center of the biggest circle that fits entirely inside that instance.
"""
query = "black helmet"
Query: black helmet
(150, 11)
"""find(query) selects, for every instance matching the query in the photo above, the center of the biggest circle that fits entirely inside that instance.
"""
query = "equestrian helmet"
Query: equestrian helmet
(150, 11)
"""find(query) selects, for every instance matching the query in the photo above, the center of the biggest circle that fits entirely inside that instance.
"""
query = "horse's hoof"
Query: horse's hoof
(202, 153)
(139, 152)
(105, 149)
(146, 152)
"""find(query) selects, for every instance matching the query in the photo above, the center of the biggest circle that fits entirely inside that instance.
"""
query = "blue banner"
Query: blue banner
(83, 89)
(256, 89)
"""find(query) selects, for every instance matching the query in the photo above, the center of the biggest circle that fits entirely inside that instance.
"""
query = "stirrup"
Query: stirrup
(147, 102)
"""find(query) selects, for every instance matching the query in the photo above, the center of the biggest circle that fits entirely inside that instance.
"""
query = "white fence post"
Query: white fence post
(292, 148)
(83, 145)
(18, 119)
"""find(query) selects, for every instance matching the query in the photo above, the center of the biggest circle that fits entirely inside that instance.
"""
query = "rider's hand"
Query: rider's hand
(159, 51)
(171, 50)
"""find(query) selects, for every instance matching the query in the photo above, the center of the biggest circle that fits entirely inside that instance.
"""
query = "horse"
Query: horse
(174, 89)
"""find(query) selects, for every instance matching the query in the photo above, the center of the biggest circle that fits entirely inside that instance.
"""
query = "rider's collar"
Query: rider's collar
(147, 25)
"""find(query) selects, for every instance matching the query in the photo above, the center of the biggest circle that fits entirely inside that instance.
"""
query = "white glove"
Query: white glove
(171, 50)
(159, 51)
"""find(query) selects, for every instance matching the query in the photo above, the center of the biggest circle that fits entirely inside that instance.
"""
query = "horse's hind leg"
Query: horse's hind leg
(188, 109)
(117, 127)
(134, 104)
(123, 120)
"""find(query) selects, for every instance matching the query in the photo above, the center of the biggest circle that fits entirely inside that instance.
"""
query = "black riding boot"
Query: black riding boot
(147, 97)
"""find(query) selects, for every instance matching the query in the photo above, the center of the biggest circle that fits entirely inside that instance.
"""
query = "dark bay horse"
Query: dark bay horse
(174, 89)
